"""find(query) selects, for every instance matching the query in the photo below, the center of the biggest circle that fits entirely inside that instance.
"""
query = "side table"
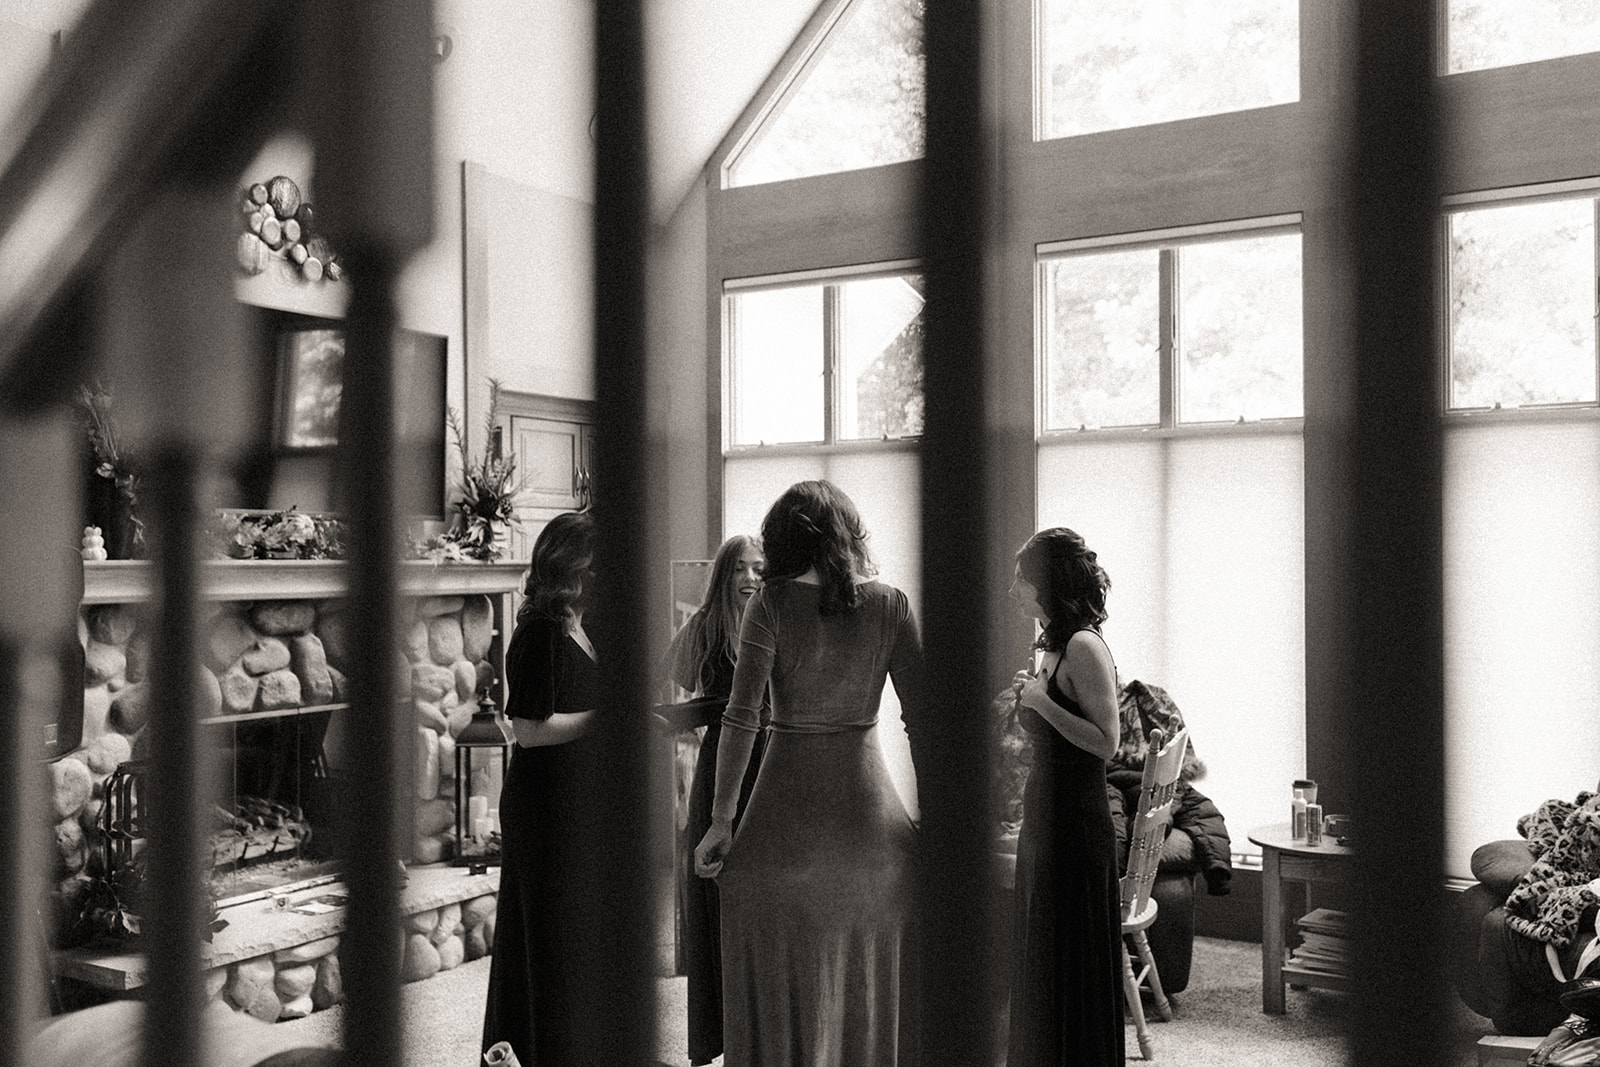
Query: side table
(1284, 859)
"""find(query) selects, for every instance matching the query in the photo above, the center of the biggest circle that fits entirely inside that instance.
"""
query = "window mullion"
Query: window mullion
(1167, 345)
(733, 431)
(830, 363)
(1447, 342)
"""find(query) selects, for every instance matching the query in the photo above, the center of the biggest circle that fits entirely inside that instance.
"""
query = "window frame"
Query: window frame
(1169, 311)
(1514, 196)
(1040, 79)
(830, 280)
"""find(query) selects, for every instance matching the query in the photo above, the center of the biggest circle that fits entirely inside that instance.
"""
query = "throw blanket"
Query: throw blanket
(1549, 902)
(1145, 708)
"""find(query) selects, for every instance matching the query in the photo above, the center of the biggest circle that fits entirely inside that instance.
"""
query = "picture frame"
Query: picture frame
(310, 383)
(307, 369)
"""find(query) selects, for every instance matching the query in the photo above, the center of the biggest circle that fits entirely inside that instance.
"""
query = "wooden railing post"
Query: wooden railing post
(957, 883)
(1394, 748)
(369, 103)
(40, 576)
(616, 887)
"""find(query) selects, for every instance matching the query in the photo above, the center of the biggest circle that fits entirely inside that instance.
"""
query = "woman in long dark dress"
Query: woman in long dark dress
(553, 688)
(816, 887)
(1066, 999)
(701, 660)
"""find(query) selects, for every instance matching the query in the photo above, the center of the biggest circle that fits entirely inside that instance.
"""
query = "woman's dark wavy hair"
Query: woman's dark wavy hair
(814, 524)
(712, 632)
(561, 557)
(1071, 583)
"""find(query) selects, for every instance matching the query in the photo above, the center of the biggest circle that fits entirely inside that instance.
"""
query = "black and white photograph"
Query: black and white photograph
(800, 533)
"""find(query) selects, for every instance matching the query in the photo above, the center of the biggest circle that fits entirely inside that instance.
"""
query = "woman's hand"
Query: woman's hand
(712, 850)
(1030, 689)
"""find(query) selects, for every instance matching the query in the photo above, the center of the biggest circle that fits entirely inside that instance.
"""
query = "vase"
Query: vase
(108, 507)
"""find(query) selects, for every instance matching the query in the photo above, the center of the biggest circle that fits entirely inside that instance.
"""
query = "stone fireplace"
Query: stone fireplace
(272, 649)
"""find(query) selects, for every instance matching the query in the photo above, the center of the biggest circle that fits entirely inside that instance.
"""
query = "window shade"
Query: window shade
(1203, 537)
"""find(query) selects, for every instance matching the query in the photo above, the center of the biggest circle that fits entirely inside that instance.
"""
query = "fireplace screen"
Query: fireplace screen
(272, 821)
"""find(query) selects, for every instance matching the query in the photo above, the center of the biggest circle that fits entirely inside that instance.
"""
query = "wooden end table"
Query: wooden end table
(1283, 859)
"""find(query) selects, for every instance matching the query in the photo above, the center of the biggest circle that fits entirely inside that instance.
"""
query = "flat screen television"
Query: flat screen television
(307, 367)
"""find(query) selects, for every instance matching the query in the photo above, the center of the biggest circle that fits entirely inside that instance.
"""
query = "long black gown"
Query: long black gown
(702, 908)
(536, 938)
(1066, 1000)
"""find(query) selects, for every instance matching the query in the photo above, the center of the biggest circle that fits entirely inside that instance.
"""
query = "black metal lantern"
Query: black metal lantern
(477, 840)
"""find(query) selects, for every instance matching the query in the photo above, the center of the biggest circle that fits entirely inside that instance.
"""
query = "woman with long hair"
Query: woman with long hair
(1066, 998)
(816, 887)
(701, 660)
(552, 691)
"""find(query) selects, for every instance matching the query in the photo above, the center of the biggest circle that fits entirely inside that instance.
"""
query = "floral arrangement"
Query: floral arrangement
(488, 489)
(291, 534)
(108, 910)
(440, 548)
(115, 488)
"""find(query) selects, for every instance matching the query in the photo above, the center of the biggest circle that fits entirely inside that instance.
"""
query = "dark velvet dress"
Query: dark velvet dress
(530, 991)
(702, 910)
(1066, 999)
(817, 884)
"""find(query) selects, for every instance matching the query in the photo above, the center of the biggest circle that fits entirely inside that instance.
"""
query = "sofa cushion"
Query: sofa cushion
(1500, 865)
(1177, 852)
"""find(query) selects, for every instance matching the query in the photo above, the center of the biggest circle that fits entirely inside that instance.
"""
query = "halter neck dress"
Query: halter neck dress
(1066, 998)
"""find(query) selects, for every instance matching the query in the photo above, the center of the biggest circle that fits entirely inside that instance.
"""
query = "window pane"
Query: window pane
(861, 104)
(1102, 341)
(1239, 333)
(777, 365)
(1522, 305)
(1498, 33)
(1111, 66)
(880, 358)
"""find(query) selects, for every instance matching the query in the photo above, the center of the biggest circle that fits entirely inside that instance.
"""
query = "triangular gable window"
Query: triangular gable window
(858, 101)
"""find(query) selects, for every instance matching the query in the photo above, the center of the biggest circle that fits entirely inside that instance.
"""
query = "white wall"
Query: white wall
(680, 375)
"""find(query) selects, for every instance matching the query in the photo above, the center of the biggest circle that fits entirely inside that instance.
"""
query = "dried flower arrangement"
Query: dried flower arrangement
(114, 475)
(107, 908)
(488, 487)
(291, 534)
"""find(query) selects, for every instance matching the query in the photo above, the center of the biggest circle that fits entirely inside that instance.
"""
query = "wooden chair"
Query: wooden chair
(1146, 832)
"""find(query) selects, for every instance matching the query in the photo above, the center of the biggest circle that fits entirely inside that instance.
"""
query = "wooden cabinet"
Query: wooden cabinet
(552, 440)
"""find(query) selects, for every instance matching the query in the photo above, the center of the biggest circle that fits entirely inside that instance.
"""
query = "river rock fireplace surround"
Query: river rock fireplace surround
(272, 646)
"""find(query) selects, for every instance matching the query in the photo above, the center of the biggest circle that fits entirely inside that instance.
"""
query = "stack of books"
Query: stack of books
(1324, 942)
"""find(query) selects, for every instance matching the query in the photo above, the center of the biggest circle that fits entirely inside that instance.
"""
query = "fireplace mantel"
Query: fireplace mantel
(133, 581)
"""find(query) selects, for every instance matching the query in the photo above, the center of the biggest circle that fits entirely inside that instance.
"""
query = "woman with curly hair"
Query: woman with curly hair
(552, 691)
(816, 887)
(701, 660)
(1066, 999)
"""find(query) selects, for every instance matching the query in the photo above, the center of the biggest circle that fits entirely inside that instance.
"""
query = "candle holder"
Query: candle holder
(477, 838)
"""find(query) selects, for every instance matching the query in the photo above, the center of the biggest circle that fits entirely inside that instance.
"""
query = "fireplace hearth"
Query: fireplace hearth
(273, 718)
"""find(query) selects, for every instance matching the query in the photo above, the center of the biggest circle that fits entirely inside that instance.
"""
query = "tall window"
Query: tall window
(1111, 66)
(833, 367)
(825, 361)
(1498, 33)
(1521, 489)
(1522, 305)
(1202, 532)
(1228, 347)
(858, 100)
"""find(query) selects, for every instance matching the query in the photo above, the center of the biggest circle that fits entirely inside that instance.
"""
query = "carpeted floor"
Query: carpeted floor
(1218, 1019)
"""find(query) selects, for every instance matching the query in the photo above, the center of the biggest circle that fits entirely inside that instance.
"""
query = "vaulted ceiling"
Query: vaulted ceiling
(517, 91)
(531, 97)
